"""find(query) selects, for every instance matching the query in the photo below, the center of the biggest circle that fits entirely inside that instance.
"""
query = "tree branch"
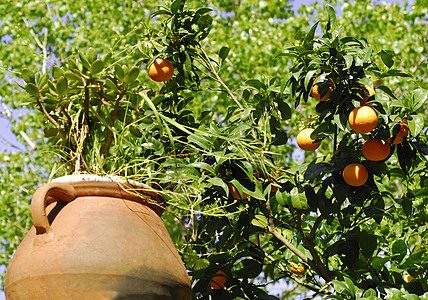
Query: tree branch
(320, 269)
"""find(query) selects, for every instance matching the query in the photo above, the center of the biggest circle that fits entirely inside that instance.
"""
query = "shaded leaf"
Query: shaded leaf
(118, 71)
(132, 75)
(387, 57)
(49, 132)
(32, 89)
(399, 248)
(57, 72)
(368, 243)
(224, 52)
(175, 6)
(317, 170)
(135, 131)
(28, 76)
(61, 86)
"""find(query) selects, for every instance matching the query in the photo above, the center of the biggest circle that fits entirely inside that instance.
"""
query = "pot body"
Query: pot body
(94, 240)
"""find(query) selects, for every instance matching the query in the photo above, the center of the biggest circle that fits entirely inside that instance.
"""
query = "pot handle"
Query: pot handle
(45, 195)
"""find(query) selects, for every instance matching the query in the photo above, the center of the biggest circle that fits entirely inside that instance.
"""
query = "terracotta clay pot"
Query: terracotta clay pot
(96, 240)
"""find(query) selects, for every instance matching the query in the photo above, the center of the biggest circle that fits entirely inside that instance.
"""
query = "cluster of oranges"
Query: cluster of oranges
(363, 120)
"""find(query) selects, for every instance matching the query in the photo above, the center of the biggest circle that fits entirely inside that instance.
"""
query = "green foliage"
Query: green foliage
(217, 139)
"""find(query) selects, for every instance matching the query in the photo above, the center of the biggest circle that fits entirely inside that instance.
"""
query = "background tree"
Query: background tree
(237, 236)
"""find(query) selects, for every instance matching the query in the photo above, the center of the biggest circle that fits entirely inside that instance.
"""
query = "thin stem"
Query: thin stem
(217, 76)
(335, 138)
(109, 137)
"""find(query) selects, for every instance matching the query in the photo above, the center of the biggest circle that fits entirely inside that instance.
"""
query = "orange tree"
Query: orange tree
(248, 216)
(253, 218)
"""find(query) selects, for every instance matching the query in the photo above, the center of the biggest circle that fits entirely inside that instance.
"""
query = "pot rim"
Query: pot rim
(134, 189)
(95, 177)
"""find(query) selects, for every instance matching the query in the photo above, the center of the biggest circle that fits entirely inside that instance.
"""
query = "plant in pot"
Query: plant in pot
(97, 229)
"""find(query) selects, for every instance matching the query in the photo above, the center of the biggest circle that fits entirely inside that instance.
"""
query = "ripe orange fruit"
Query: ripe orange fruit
(161, 70)
(376, 150)
(367, 92)
(322, 90)
(218, 280)
(235, 194)
(404, 132)
(407, 278)
(298, 269)
(363, 119)
(355, 174)
(305, 142)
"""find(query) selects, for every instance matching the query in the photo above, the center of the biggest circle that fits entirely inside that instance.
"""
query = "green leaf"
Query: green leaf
(307, 43)
(201, 141)
(135, 131)
(71, 76)
(175, 6)
(205, 21)
(341, 120)
(107, 58)
(132, 75)
(118, 71)
(224, 51)
(28, 76)
(308, 77)
(32, 89)
(219, 182)
(399, 248)
(255, 83)
(350, 285)
(50, 132)
(260, 221)
(97, 66)
(84, 61)
(110, 85)
(349, 59)
(282, 198)
(416, 124)
(370, 293)
(43, 80)
(331, 17)
(284, 109)
(61, 85)
(248, 268)
(201, 263)
(387, 57)
(298, 200)
(57, 72)
(91, 55)
(419, 98)
(368, 243)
